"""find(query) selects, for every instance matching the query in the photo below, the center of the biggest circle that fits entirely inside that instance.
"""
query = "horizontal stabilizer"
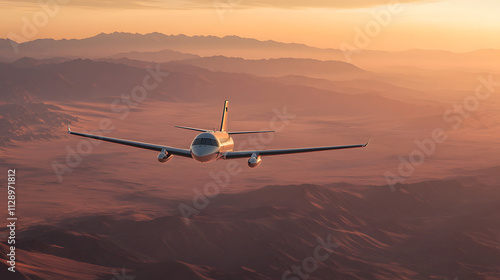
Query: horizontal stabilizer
(192, 128)
(250, 132)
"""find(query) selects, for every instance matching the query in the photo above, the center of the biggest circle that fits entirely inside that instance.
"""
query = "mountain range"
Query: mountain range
(27, 81)
(154, 45)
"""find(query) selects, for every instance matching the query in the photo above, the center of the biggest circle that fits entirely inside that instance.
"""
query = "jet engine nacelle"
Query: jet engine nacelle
(164, 156)
(254, 161)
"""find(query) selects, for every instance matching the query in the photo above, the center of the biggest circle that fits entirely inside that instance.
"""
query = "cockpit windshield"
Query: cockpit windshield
(205, 141)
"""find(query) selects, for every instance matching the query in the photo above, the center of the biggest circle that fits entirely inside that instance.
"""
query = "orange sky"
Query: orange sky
(457, 25)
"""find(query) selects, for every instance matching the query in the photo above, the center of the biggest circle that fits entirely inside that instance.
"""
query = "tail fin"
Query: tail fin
(223, 126)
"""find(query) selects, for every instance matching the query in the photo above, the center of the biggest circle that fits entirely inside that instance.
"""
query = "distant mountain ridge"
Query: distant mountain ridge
(105, 45)
(79, 80)
(30, 80)
(159, 56)
(336, 70)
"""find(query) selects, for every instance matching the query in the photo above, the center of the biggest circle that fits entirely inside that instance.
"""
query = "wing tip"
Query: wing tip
(69, 129)
(369, 140)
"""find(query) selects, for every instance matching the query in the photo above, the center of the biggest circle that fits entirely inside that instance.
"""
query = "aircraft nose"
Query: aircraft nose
(200, 151)
(204, 153)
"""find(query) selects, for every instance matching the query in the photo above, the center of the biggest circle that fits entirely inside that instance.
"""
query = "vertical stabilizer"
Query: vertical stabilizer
(223, 126)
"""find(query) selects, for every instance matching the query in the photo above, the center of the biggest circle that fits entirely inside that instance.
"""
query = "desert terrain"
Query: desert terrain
(419, 202)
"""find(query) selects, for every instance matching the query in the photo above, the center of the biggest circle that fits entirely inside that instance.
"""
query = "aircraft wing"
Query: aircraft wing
(170, 150)
(242, 154)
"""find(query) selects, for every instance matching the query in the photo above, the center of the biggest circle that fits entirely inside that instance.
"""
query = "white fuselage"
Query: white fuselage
(210, 146)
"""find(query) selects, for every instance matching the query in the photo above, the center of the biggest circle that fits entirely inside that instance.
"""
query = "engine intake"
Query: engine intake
(164, 156)
(254, 161)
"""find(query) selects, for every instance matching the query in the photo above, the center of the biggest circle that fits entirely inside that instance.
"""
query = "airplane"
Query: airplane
(211, 145)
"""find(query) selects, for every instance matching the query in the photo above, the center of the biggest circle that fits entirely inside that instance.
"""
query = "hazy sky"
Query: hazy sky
(457, 25)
